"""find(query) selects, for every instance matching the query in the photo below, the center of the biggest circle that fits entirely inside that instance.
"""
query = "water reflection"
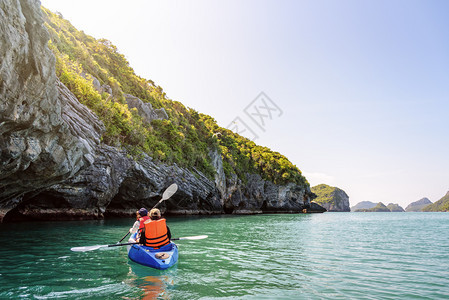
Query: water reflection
(153, 283)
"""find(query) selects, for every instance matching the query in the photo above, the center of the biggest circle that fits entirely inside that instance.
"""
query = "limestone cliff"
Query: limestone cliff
(46, 137)
(331, 198)
(54, 166)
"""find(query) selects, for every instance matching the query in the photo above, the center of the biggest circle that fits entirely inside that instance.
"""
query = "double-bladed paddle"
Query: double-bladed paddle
(96, 247)
(190, 238)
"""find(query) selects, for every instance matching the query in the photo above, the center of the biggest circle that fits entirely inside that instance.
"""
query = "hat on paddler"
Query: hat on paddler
(155, 212)
(143, 212)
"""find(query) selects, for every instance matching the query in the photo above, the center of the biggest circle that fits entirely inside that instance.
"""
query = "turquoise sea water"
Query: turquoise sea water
(319, 256)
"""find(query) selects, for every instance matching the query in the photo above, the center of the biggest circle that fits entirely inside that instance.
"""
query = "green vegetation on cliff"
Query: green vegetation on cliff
(440, 205)
(324, 192)
(186, 138)
(183, 139)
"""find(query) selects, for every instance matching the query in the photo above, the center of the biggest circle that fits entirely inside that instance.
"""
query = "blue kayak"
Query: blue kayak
(162, 258)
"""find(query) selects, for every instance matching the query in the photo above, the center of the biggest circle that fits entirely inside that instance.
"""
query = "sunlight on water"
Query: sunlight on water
(323, 256)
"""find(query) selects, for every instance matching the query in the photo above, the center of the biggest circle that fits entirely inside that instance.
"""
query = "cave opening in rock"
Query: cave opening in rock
(14, 215)
(228, 209)
(40, 207)
(264, 206)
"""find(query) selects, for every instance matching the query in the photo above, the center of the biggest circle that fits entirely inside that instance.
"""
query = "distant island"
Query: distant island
(363, 205)
(418, 205)
(422, 205)
(379, 207)
(331, 198)
(395, 207)
(440, 205)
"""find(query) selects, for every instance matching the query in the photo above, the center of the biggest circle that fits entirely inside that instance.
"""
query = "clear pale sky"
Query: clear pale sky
(363, 86)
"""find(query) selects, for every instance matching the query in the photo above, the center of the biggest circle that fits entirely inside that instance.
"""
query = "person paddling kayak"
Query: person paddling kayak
(141, 217)
(155, 233)
(143, 212)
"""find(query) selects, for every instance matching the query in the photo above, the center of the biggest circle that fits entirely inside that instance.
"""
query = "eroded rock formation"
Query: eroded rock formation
(46, 137)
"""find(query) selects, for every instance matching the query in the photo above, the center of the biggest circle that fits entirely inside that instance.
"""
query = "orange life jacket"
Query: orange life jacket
(156, 233)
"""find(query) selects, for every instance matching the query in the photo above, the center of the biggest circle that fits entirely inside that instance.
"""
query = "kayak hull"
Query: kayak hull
(162, 258)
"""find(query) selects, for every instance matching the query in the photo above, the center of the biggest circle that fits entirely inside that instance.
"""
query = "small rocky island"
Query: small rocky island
(418, 206)
(367, 206)
(363, 205)
(380, 207)
(393, 207)
(331, 198)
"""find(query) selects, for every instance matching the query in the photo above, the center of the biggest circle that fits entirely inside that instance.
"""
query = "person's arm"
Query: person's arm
(135, 227)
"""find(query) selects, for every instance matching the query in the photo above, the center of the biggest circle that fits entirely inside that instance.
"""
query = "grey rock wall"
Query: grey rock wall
(42, 140)
(145, 110)
(340, 203)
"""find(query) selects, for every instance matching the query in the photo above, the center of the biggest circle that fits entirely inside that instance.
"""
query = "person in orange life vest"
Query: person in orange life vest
(156, 232)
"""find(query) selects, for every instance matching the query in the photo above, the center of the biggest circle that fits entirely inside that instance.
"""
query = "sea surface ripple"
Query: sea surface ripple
(293, 256)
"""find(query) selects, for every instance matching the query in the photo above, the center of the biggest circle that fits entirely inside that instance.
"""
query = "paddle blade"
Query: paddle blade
(87, 248)
(198, 237)
(169, 191)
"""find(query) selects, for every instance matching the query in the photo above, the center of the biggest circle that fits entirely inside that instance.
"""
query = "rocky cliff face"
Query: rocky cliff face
(145, 110)
(261, 196)
(53, 166)
(46, 137)
(115, 185)
(331, 198)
